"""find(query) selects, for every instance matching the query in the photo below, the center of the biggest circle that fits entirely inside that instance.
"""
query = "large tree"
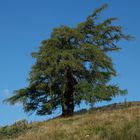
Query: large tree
(73, 65)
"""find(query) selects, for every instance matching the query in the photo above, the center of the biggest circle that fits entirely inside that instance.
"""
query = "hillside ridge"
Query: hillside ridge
(118, 121)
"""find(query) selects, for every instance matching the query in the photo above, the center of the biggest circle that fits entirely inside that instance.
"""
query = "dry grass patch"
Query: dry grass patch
(117, 124)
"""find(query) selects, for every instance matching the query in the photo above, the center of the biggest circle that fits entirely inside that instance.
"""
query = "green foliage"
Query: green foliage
(14, 130)
(73, 65)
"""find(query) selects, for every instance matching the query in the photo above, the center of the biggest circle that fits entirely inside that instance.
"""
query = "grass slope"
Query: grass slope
(113, 122)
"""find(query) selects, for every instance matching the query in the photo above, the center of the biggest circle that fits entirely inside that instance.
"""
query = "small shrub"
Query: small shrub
(14, 130)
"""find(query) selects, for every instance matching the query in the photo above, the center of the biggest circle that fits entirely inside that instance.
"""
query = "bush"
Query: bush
(14, 130)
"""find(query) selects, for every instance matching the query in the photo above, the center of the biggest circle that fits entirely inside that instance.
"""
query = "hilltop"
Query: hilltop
(113, 122)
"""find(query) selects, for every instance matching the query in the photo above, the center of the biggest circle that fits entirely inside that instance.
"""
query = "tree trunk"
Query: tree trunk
(68, 106)
(68, 97)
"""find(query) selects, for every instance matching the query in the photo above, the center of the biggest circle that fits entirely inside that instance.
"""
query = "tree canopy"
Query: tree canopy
(72, 66)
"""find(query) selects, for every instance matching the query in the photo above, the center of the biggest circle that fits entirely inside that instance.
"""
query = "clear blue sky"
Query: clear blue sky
(24, 23)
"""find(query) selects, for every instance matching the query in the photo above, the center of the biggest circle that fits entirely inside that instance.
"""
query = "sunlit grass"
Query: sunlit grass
(103, 124)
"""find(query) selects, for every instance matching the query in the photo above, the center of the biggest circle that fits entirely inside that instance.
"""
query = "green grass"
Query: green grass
(113, 122)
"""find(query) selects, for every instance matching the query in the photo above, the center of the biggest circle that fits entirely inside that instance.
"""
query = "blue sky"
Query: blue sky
(25, 23)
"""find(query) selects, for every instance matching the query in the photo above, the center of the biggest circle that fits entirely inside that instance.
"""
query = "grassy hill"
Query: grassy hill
(112, 122)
